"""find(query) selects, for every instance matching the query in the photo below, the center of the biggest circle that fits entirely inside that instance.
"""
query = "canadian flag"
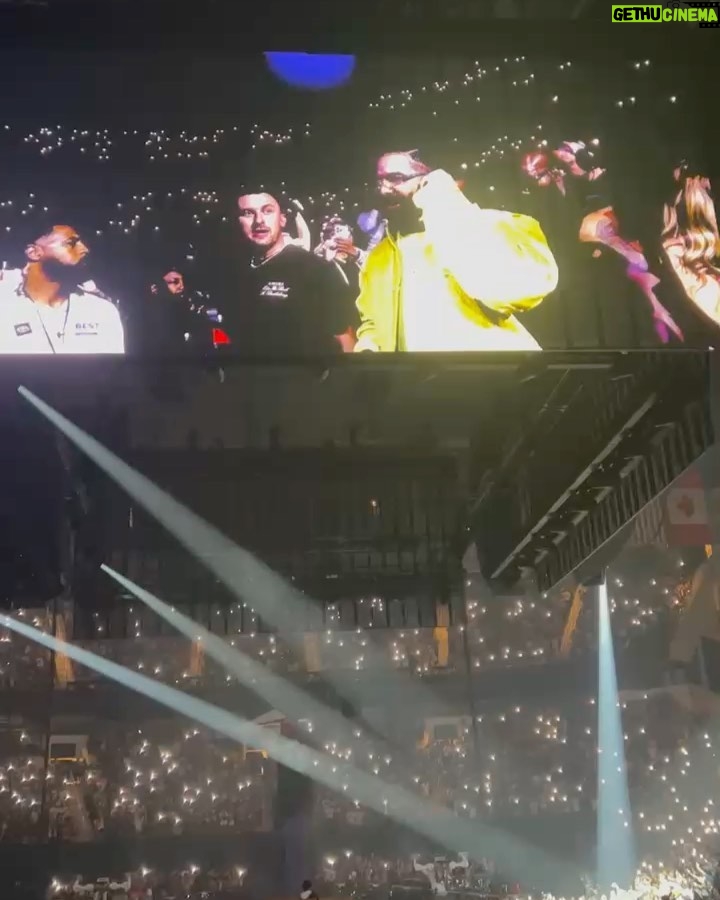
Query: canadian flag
(686, 512)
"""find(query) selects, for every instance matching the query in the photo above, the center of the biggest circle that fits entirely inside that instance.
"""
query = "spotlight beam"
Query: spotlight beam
(243, 573)
(440, 826)
(288, 610)
(246, 577)
(615, 850)
(279, 693)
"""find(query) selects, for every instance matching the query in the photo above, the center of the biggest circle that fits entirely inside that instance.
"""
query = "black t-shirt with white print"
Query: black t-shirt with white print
(291, 305)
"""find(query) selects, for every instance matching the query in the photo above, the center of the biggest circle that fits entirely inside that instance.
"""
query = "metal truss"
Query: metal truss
(674, 447)
(604, 447)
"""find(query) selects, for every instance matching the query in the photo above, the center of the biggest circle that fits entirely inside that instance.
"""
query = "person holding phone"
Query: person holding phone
(337, 247)
(448, 276)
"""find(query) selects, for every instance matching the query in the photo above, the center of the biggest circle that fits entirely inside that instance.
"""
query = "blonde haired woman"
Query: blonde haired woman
(691, 241)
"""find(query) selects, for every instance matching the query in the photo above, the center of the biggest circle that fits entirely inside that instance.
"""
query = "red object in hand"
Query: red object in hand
(220, 337)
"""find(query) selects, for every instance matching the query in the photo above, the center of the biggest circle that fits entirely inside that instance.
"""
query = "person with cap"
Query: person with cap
(448, 275)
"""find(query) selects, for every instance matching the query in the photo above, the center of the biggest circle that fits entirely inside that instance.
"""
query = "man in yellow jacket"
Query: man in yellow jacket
(448, 276)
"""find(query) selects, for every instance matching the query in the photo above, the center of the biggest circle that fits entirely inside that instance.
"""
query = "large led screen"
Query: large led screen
(285, 206)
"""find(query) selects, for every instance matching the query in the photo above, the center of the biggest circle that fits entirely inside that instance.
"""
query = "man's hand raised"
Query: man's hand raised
(437, 187)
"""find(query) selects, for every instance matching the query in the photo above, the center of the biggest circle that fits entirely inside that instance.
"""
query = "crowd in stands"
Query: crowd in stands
(505, 761)
(518, 630)
(159, 780)
(350, 870)
(355, 875)
(155, 884)
(534, 761)
(162, 779)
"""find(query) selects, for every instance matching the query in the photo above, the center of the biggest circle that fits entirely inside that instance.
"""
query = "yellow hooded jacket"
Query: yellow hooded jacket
(493, 263)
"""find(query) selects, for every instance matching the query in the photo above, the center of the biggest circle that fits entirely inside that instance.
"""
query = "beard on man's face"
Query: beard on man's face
(402, 214)
(67, 276)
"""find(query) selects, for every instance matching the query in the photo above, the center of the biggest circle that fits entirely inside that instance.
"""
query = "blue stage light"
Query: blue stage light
(311, 71)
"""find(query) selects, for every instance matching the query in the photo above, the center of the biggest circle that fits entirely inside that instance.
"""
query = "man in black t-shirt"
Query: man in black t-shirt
(289, 303)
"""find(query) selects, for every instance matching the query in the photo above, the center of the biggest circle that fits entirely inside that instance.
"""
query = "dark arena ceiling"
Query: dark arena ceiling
(497, 9)
(532, 27)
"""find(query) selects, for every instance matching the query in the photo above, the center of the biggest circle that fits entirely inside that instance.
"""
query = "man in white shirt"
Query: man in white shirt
(53, 308)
